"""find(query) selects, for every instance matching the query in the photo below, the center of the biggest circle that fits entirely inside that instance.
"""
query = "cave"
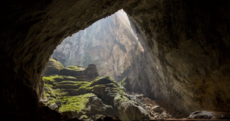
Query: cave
(189, 42)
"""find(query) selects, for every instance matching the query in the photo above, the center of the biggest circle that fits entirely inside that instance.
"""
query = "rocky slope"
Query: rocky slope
(114, 47)
(74, 95)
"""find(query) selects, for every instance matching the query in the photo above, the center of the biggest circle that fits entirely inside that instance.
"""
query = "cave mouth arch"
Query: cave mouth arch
(32, 30)
(114, 45)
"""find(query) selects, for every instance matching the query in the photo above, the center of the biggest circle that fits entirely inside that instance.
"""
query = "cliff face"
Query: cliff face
(114, 47)
(190, 51)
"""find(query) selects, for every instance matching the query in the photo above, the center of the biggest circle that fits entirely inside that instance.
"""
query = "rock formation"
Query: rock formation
(188, 38)
(84, 99)
(53, 67)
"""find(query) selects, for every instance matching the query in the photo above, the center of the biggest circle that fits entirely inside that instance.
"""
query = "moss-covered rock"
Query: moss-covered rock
(72, 71)
(85, 99)
(91, 71)
(52, 67)
(75, 103)
(126, 84)
(103, 80)
(129, 109)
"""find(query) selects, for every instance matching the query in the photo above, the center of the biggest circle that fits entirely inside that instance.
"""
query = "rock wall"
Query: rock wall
(191, 48)
(114, 47)
(30, 32)
(189, 39)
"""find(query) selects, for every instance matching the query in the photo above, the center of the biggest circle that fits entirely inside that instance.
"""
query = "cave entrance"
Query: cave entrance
(110, 43)
(112, 50)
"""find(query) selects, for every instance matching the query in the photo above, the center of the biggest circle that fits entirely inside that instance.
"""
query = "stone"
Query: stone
(157, 108)
(52, 67)
(53, 106)
(224, 116)
(91, 72)
(129, 110)
(202, 115)
(58, 103)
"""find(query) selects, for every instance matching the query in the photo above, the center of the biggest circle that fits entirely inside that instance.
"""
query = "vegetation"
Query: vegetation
(75, 68)
(55, 64)
(75, 103)
(60, 88)
(123, 82)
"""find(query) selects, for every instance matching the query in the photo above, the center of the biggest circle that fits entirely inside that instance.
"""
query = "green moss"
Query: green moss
(75, 68)
(103, 80)
(69, 77)
(56, 64)
(83, 117)
(50, 94)
(53, 79)
(48, 85)
(74, 82)
(123, 82)
(68, 86)
(49, 79)
(50, 91)
(83, 89)
(119, 99)
(75, 103)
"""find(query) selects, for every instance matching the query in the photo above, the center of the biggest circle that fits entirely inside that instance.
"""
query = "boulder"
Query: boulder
(53, 106)
(224, 116)
(157, 108)
(202, 115)
(91, 71)
(52, 67)
(129, 110)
